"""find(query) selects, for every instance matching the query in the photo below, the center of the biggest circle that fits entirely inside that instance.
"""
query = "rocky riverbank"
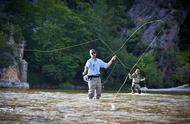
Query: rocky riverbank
(184, 89)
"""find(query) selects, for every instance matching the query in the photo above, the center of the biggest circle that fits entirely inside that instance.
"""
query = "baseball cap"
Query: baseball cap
(92, 51)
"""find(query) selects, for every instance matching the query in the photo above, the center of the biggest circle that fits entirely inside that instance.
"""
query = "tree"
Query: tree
(152, 75)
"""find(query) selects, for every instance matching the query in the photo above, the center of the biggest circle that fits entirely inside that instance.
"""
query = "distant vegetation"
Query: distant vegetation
(53, 24)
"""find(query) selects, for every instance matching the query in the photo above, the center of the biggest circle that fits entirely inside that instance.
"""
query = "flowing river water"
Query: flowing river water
(45, 107)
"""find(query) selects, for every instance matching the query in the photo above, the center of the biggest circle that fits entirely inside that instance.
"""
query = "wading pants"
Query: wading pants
(136, 86)
(95, 87)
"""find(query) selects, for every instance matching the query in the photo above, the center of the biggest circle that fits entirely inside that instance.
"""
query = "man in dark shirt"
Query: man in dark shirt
(136, 79)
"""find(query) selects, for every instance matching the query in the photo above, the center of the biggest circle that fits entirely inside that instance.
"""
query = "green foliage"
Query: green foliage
(182, 74)
(178, 15)
(184, 35)
(53, 24)
(165, 4)
(178, 4)
(122, 67)
(132, 43)
(152, 75)
(5, 62)
(63, 70)
(5, 52)
(21, 11)
(166, 25)
(129, 22)
(2, 39)
(114, 13)
(36, 80)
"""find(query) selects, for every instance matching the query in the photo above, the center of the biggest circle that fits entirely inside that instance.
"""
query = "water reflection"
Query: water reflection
(17, 106)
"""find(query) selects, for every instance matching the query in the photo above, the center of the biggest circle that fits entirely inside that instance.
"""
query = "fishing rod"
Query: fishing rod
(115, 96)
(116, 52)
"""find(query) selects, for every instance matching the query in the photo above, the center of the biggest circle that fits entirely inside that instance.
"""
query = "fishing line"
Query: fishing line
(135, 32)
(134, 66)
(113, 52)
(109, 73)
(54, 50)
(46, 51)
(42, 51)
(115, 96)
(125, 43)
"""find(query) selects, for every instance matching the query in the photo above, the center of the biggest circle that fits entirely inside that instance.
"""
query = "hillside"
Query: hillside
(45, 43)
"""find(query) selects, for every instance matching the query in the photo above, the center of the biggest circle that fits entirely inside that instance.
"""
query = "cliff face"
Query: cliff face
(15, 73)
(13, 68)
(172, 13)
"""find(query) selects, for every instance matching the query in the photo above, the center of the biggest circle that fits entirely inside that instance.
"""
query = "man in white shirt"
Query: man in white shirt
(92, 73)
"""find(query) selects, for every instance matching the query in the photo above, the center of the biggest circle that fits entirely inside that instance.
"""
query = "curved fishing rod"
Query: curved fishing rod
(46, 51)
(136, 64)
(102, 42)
(113, 53)
(125, 41)
(149, 22)
(109, 74)
(124, 45)
(115, 96)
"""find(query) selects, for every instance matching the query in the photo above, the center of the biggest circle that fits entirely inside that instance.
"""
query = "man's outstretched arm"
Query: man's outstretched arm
(111, 60)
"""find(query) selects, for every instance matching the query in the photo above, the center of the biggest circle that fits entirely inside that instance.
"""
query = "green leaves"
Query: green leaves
(151, 72)
(182, 74)
(62, 70)
(2, 39)
(50, 25)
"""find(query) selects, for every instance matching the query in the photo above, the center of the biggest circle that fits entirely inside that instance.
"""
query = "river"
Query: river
(46, 107)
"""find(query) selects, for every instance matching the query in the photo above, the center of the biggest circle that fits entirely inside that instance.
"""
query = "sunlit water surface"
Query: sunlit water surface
(40, 107)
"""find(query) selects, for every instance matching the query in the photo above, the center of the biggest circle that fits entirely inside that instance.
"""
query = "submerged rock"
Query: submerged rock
(13, 84)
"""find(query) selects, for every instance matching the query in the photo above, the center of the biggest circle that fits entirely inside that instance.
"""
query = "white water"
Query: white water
(26, 106)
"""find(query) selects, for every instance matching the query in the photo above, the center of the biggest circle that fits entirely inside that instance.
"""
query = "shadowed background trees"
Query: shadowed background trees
(53, 24)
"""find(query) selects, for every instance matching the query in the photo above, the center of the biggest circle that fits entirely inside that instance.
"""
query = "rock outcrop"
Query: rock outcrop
(13, 73)
(172, 14)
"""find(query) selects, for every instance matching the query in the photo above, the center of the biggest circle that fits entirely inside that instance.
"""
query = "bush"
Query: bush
(133, 41)
(149, 67)
(6, 52)
(181, 74)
